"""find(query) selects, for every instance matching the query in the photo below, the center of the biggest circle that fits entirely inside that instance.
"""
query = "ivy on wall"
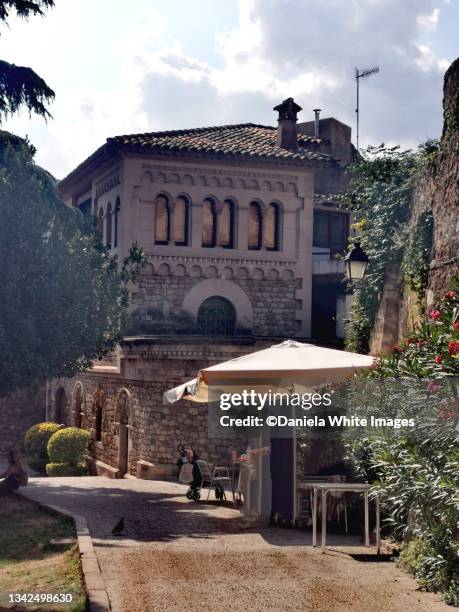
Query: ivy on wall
(380, 197)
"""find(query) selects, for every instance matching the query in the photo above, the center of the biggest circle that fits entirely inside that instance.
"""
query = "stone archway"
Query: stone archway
(218, 287)
(122, 418)
(60, 406)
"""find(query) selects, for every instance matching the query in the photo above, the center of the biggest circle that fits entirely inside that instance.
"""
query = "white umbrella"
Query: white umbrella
(307, 365)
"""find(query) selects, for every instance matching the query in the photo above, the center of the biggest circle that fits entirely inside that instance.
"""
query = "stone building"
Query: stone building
(242, 234)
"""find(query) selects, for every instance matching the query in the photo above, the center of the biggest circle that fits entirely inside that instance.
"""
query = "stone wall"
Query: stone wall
(437, 189)
(148, 367)
(161, 291)
(17, 413)
(443, 188)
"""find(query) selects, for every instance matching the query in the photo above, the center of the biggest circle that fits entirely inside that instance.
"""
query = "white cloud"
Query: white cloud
(145, 80)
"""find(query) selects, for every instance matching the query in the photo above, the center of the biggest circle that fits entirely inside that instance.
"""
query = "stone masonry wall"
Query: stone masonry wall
(272, 299)
(17, 413)
(437, 189)
(444, 190)
(155, 429)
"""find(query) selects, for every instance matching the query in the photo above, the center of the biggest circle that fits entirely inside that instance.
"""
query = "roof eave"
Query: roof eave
(104, 154)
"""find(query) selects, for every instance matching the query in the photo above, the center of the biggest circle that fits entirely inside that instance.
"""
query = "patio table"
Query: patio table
(345, 487)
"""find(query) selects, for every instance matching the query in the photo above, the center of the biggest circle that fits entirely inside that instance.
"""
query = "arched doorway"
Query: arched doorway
(123, 405)
(60, 406)
(216, 317)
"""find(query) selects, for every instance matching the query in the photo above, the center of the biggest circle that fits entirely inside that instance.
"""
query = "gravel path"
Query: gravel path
(175, 554)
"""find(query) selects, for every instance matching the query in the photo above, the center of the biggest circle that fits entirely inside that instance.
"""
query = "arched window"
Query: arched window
(78, 404)
(61, 406)
(99, 424)
(180, 222)
(100, 224)
(272, 227)
(255, 226)
(209, 224)
(117, 211)
(162, 220)
(216, 317)
(98, 408)
(226, 225)
(108, 227)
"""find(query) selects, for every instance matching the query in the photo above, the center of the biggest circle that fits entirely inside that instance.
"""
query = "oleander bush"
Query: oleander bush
(36, 445)
(416, 468)
(67, 449)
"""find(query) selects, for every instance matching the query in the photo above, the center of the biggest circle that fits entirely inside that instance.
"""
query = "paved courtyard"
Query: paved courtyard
(176, 554)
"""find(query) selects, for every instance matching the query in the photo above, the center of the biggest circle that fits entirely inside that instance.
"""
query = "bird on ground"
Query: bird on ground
(118, 528)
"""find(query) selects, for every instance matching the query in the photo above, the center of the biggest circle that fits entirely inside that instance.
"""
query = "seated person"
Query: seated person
(15, 475)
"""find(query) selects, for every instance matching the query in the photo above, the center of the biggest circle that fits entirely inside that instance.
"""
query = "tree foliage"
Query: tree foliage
(381, 197)
(416, 468)
(20, 85)
(64, 301)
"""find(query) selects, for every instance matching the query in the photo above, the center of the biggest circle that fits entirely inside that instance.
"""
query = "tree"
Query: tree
(19, 85)
(63, 300)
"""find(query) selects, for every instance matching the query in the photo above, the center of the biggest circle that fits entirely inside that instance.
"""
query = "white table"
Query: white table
(345, 487)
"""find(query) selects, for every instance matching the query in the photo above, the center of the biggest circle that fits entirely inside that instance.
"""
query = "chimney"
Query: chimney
(316, 122)
(286, 129)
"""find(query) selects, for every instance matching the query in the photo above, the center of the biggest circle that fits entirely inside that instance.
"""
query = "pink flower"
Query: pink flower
(438, 359)
(456, 326)
(450, 295)
(453, 347)
(434, 315)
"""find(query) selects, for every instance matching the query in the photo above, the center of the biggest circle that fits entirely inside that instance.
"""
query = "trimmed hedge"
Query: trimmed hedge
(66, 469)
(36, 444)
(69, 445)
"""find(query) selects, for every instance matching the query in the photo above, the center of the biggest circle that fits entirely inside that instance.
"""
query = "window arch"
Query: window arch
(272, 227)
(98, 411)
(61, 403)
(216, 317)
(226, 225)
(209, 223)
(162, 220)
(180, 221)
(255, 226)
(108, 227)
(116, 214)
(100, 224)
(78, 404)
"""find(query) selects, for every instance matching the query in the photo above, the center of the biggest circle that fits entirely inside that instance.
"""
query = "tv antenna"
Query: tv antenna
(362, 74)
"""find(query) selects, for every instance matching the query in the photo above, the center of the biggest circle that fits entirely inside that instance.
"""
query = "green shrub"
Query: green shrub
(36, 443)
(66, 469)
(433, 572)
(68, 445)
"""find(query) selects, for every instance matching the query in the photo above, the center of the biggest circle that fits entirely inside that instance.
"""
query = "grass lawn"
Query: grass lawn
(29, 563)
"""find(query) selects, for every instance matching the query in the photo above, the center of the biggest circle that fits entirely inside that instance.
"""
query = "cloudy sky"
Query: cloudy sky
(121, 67)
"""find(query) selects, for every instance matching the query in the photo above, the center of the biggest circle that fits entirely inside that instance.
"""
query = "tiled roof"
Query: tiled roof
(245, 139)
(240, 142)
